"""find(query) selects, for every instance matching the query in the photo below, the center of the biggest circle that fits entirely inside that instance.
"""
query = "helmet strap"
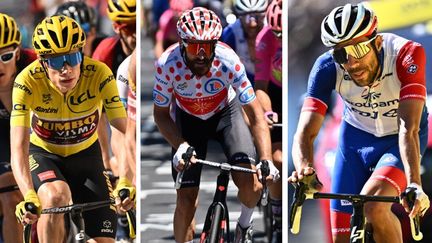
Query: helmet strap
(378, 55)
(125, 44)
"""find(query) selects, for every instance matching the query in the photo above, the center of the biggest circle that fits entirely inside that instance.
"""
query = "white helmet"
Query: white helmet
(348, 22)
(250, 6)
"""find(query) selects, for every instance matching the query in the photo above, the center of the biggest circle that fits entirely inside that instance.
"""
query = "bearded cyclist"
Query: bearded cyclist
(209, 84)
(60, 97)
(381, 79)
(268, 86)
(13, 59)
(241, 34)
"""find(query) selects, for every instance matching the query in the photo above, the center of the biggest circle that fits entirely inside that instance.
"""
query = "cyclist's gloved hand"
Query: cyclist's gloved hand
(271, 117)
(308, 176)
(23, 215)
(129, 202)
(273, 171)
(421, 203)
(183, 150)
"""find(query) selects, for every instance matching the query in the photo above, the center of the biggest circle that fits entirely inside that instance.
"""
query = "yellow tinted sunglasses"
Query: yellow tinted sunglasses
(357, 51)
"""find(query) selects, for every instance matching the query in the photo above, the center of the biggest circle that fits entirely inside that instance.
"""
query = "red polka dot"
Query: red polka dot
(216, 62)
(167, 78)
(243, 84)
(218, 73)
(159, 70)
(230, 75)
(198, 86)
(198, 94)
(177, 77)
(170, 90)
(237, 67)
(179, 64)
(209, 74)
(187, 77)
(171, 69)
(158, 87)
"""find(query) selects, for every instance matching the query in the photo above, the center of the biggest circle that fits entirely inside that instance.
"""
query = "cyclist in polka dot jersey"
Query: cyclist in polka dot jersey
(209, 83)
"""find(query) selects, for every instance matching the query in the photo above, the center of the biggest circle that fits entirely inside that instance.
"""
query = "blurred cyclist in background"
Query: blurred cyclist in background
(113, 51)
(167, 32)
(13, 59)
(383, 135)
(86, 17)
(268, 86)
(241, 34)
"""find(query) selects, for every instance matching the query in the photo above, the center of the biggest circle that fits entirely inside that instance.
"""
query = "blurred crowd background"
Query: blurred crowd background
(28, 13)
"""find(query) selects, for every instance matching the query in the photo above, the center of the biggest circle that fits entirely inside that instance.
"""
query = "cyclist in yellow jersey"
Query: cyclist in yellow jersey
(60, 97)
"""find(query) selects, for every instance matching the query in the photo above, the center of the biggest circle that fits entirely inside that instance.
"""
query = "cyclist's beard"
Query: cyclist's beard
(199, 67)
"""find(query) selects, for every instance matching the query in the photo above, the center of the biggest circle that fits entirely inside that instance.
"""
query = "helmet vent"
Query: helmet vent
(45, 44)
(53, 38)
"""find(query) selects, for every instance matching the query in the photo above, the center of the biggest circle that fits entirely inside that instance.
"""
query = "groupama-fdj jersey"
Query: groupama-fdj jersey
(373, 108)
(65, 124)
(368, 142)
(202, 96)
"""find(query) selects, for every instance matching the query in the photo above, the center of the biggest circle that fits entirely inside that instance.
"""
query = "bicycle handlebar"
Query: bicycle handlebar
(301, 194)
(227, 167)
(81, 207)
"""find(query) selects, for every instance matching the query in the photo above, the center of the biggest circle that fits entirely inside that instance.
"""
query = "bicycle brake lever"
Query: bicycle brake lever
(186, 157)
(123, 194)
(265, 171)
(414, 222)
(296, 207)
(27, 228)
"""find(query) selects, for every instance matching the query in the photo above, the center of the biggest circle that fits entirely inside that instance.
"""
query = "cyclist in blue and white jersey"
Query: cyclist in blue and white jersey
(241, 34)
(381, 79)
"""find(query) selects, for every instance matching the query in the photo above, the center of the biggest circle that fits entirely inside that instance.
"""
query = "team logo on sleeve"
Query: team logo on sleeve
(412, 69)
(159, 98)
(247, 95)
(213, 86)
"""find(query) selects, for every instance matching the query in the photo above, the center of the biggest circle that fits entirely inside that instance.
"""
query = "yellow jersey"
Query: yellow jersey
(65, 124)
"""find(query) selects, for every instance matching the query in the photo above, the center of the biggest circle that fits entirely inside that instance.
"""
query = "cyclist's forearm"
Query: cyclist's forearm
(264, 100)
(260, 129)
(409, 146)
(20, 140)
(302, 151)
(307, 130)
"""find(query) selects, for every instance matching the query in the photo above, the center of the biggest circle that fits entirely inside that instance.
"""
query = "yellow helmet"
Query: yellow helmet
(57, 34)
(122, 10)
(9, 31)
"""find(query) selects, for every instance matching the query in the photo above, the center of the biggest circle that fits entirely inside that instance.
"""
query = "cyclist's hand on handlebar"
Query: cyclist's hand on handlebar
(421, 203)
(22, 212)
(271, 117)
(184, 152)
(128, 202)
(308, 176)
(273, 172)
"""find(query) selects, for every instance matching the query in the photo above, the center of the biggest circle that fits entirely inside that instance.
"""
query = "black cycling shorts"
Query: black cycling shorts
(227, 127)
(84, 173)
